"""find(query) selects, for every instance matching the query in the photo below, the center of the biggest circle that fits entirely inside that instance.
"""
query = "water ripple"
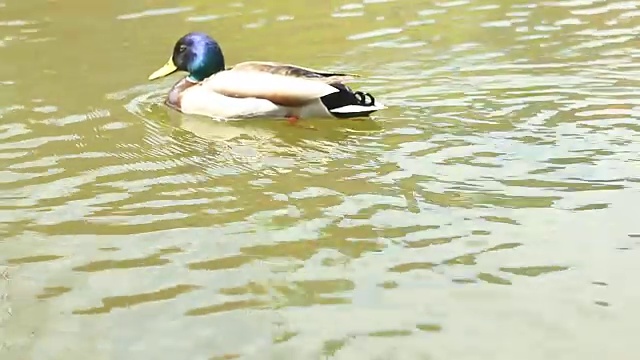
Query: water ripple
(154, 12)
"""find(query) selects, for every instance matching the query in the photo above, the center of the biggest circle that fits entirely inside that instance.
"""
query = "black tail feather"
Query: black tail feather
(344, 97)
(362, 98)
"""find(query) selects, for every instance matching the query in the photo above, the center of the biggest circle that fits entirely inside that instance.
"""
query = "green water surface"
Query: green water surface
(488, 213)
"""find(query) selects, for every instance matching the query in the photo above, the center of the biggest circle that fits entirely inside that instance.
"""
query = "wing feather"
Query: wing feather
(293, 71)
(275, 86)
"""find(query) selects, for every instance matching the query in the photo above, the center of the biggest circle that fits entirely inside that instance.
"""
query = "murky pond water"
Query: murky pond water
(486, 214)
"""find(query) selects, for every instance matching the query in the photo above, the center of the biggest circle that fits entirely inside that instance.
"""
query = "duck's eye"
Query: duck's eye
(183, 48)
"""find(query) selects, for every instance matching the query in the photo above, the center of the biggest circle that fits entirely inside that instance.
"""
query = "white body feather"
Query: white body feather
(198, 100)
(242, 94)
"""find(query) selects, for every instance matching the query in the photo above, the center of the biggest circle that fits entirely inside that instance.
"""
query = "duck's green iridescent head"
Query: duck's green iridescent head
(196, 53)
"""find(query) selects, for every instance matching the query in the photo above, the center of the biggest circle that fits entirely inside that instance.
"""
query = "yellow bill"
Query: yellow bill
(167, 69)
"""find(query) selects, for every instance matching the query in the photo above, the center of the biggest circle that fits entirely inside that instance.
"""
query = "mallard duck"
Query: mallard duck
(256, 88)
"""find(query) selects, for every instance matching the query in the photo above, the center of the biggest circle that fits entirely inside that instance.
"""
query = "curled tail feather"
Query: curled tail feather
(346, 103)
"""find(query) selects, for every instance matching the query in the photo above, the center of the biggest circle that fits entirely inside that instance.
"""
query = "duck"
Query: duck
(256, 89)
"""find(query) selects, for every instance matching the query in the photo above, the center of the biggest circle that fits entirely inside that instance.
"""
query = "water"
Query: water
(487, 214)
